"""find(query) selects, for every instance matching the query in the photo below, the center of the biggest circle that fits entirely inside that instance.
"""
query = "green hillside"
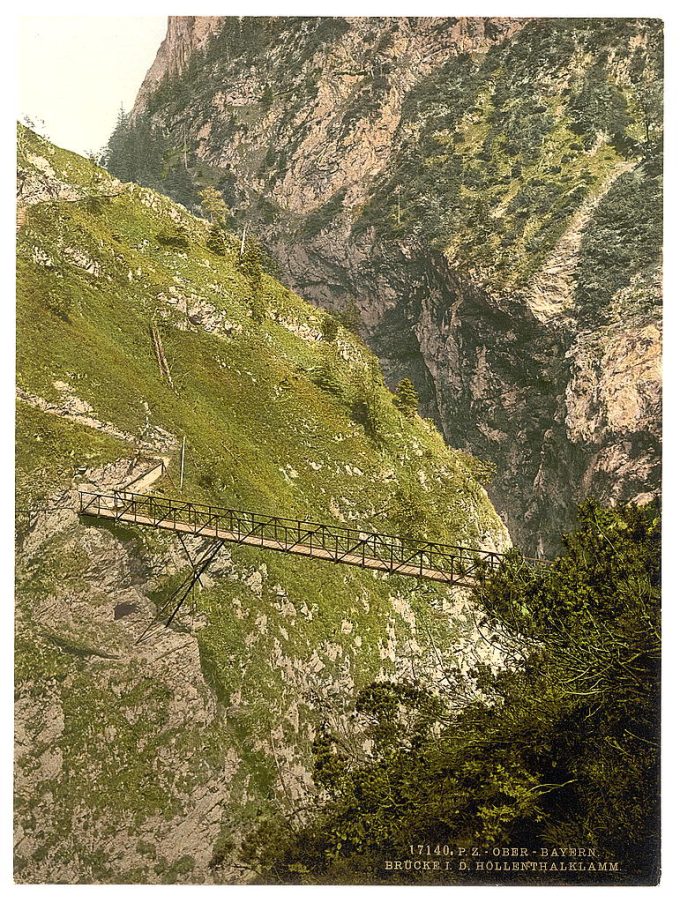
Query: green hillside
(284, 412)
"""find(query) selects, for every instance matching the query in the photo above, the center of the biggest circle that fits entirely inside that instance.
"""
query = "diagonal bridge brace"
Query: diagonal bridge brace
(361, 544)
(198, 568)
(242, 538)
(203, 564)
(189, 558)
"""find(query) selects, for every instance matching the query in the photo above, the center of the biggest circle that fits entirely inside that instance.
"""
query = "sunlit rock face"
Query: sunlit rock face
(485, 193)
(185, 35)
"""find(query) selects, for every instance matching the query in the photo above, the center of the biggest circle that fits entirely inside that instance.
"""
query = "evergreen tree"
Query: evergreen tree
(136, 151)
(215, 241)
(409, 511)
(406, 398)
(267, 98)
(350, 317)
(329, 328)
(366, 402)
(327, 376)
(647, 86)
(251, 265)
(258, 309)
(213, 205)
(180, 186)
(117, 152)
(599, 106)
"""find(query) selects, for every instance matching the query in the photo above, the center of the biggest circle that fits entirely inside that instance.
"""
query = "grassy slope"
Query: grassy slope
(248, 405)
(254, 421)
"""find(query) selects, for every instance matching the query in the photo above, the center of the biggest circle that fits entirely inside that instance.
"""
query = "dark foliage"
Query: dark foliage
(599, 106)
(323, 216)
(623, 238)
(176, 240)
(328, 375)
(139, 152)
(250, 264)
(406, 398)
(215, 241)
(366, 406)
(561, 751)
(350, 316)
(329, 328)
(136, 151)
(178, 184)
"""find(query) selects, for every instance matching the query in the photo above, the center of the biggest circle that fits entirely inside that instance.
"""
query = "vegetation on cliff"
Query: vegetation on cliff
(623, 242)
(488, 190)
(494, 153)
(498, 153)
(562, 753)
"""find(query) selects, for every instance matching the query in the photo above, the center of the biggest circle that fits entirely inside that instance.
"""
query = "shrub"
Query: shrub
(258, 309)
(94, 204)
(250, 264)
(329, 328)
(175, 240)
(213, 205)
(366, 401)
(215, 241)
(327, 376)
(349, 316)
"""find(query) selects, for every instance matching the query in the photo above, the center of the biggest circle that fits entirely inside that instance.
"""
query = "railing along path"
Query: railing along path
(459, 565)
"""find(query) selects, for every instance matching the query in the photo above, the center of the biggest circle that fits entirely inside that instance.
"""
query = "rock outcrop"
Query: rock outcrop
(186, 34)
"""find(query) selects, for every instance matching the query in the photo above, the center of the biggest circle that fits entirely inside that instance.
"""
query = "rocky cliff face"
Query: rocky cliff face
(451, 178)
(186, 34)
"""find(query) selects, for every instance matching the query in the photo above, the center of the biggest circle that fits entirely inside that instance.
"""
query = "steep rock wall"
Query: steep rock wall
(445, 176)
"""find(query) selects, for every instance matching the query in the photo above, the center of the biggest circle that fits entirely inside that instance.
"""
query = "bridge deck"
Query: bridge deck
(457, 565)
(310, 551)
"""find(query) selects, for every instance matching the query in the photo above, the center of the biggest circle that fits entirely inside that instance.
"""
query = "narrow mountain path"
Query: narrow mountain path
(77, 411)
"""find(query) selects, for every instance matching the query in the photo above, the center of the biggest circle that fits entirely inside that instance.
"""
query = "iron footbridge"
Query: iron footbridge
(450, 564)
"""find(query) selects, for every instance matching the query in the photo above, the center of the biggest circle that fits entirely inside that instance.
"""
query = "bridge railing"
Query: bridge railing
(450, 563)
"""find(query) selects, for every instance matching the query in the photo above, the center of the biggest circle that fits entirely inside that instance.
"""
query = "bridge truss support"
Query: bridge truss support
(198, 568)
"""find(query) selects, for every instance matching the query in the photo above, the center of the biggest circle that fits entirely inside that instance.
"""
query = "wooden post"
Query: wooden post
(243, 242)
(161, 359)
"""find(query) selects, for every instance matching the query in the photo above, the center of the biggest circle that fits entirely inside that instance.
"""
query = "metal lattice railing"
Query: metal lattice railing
(378, 551)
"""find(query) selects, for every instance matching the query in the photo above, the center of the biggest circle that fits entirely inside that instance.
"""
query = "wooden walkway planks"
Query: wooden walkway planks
(309, 551)
(453, 565)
